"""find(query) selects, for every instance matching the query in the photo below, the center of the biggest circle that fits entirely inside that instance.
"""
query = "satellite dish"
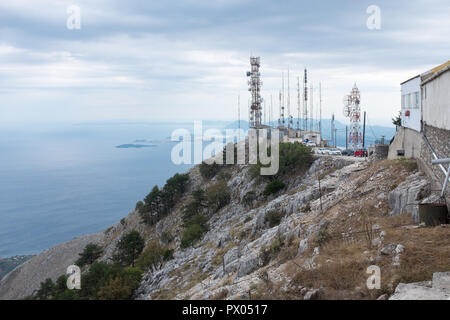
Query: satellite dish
(346, 111)
(347, 100)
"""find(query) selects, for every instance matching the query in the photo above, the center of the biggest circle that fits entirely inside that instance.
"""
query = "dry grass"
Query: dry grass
(341, 265)
(427, 251)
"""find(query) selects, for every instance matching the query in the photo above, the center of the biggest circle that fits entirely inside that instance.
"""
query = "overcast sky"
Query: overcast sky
(186, 60)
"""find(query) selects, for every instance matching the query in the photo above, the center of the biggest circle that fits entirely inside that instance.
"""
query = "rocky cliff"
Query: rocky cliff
(313, 240)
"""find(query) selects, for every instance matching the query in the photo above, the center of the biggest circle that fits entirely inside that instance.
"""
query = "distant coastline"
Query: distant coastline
(133, 145)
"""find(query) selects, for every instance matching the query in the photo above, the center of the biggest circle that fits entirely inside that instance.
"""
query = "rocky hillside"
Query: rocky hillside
(313, 239)
(8, 264)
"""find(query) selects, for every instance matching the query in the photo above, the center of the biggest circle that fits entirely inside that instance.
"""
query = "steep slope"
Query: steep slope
(304, 242)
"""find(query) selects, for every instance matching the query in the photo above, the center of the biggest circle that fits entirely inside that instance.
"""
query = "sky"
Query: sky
(185, 60)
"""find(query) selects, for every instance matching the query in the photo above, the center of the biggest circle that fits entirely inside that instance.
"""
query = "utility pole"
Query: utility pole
(364, 131)
(333, 131)
(320, 109)
(239, 118)
(288, 100)
(346, 137)
(298, 103)
(312, 107)
(271, 110)
(335, 138)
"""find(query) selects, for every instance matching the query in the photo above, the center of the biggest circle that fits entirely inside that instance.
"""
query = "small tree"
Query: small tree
(46, 290)
(273, 187)
(139, 206)
(129, 248)
(90, 253)
(397, 121)
(218, 196)
(154, 256)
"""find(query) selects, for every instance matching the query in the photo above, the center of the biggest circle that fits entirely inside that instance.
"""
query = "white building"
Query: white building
(411, 112)
(436, 97)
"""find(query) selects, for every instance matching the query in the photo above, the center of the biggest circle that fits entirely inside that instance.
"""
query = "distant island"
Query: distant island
(133, 145)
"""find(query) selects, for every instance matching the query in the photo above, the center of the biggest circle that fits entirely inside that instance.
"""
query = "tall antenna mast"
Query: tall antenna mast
(264, 101)
(289, 101)
(239, 117)
(320, 108)
(282, 99)
(298, 103)
(305, 101)
(271, 110)
(255, 84)
(353, 111)
(312, 108)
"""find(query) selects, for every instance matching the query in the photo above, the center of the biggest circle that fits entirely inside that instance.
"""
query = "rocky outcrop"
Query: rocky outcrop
(437, 289)
(51, 263)
(408, 194)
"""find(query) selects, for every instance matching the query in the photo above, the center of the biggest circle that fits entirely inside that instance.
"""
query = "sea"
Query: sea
(58, 182)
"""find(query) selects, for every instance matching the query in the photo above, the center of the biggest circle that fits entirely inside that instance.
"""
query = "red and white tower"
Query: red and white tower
(352, 110)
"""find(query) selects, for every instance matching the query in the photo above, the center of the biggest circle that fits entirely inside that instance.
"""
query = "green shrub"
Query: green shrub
(90, 253)
(273, 218)
(139, 206)
(159, 202)
(224, 175)
(270, 252)
(129, 248)
(154, 256)
(323, 236)
(121, 285)
(166, 237)
(273, 187)
(248, 198)
(218, 196)
(293, 157)
(208, 171)
(191, 234)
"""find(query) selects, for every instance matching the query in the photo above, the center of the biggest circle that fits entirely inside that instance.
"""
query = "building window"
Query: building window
(416, 105)
(403, 101)
(408, 104)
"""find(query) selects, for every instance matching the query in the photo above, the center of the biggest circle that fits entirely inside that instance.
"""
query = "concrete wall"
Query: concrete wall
(436, 102)
(411, 102)
(408, 140)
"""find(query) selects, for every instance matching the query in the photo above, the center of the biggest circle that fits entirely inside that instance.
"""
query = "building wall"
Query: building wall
(408, 140)
(440, 141)
(436, 102)
(411, 102)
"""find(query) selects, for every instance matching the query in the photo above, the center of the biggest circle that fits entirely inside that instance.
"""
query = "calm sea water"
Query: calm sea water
(60, 182)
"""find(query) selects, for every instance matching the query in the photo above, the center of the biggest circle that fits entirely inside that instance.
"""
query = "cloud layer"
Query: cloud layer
(185, 60)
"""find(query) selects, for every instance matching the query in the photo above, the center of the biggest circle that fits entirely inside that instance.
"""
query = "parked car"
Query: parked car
(310, 144)
(335, 151)
(348, 152)
(361, 153)
(320, 150)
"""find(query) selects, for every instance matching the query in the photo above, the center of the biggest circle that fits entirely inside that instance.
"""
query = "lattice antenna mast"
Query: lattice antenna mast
(289, 101)
(282, 100)
(305, 101)
(298, 103)
(352, 110)
(255, 84)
